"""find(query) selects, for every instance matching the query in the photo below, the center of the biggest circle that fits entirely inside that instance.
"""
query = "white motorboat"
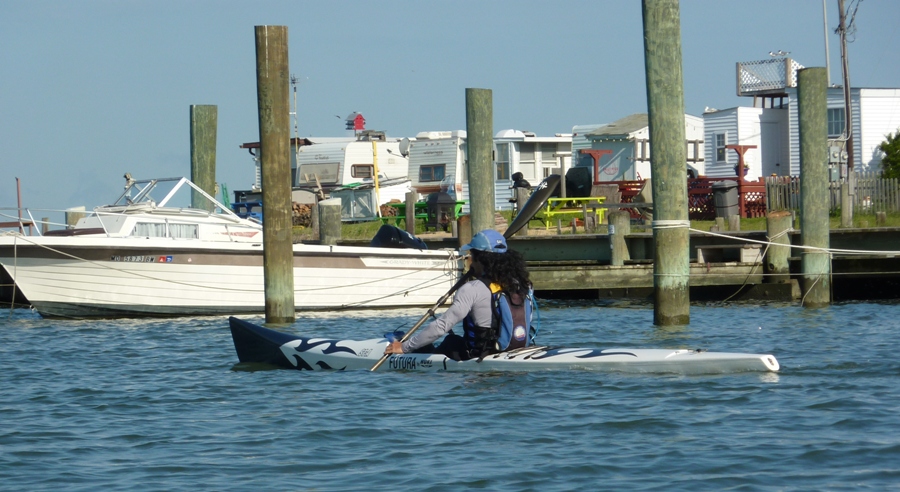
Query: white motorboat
(256, 344)
(146, 257)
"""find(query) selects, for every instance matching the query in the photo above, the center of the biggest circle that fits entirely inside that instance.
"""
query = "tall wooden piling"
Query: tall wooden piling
(272, 81)
(815, 265)
(665, 105)
(204, 122)
(480, 146)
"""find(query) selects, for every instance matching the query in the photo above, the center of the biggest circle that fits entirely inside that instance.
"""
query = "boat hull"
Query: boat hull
(256, 344)
(84, 277)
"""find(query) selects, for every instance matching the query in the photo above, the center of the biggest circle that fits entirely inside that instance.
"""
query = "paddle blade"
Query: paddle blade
(535, 203)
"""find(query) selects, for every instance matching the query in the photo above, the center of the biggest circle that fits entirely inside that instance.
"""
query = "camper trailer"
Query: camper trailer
(332, 165)
(437, 162)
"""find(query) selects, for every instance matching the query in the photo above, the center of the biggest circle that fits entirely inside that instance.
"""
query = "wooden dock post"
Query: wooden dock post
(463, 230)
(619, 227)
(521, 195)
(410, 211)
(665, 105)
(815, 265)
(777, 264)
(272, 82)
(204, 120)
(479, 151)
(330, 221)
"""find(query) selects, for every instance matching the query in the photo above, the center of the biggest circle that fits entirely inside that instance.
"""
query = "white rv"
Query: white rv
(437, 162)
(336, 164)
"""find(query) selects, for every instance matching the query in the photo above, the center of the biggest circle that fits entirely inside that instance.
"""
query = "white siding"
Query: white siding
(725, 122)
(881, 116)
(348, 154)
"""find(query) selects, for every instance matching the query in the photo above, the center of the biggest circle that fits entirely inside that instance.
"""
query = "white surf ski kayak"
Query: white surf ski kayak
(256, 344)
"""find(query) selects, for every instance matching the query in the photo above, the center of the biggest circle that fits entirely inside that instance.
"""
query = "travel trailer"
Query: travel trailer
(333, 165)
(342, 167)
(437, 161)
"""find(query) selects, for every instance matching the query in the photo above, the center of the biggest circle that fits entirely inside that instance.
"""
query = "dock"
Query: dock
(577, 266)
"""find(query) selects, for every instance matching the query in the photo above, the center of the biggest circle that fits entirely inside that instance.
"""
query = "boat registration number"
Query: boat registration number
(142, 259)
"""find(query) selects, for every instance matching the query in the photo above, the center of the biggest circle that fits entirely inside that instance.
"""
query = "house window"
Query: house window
(720, 147)
(835, 122)
(362, 170)
(434, 172)
(502, 163)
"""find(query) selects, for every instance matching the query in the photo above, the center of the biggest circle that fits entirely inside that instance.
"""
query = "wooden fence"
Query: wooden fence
(873, 193)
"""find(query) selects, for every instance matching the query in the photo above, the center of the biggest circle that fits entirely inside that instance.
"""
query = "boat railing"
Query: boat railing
(11, 217)
(136, 199)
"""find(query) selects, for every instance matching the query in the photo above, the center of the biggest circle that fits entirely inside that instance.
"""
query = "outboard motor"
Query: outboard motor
(579, 181)
(389, 236)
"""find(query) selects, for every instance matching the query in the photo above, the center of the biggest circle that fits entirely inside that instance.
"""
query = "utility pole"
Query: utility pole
(827, 54)
(846, 203)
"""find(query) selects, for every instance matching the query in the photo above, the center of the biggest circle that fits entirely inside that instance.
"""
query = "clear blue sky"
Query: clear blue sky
(92, 89)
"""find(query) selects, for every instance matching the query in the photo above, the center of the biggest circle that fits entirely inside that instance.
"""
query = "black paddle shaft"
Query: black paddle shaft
(531, 207)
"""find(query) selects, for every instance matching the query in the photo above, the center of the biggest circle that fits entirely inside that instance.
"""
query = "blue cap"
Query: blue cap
(487, 240)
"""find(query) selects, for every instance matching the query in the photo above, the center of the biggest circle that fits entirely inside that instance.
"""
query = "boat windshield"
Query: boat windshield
(166, 192)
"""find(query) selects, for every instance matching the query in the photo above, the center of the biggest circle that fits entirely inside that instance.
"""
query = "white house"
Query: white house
(769, 129)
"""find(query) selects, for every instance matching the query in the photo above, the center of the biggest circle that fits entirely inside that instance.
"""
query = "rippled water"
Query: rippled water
(160, 405)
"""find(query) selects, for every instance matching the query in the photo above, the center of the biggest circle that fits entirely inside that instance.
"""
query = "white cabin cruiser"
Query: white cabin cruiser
(146, 257)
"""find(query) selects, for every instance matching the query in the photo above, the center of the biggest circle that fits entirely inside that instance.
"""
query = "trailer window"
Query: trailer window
(362, 170)
(433, 172)
(502, 163)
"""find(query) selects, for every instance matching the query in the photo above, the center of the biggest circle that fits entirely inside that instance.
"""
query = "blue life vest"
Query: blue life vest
(510, 323)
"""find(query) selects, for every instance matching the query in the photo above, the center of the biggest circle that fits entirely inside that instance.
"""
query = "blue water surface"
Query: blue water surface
(163, 405)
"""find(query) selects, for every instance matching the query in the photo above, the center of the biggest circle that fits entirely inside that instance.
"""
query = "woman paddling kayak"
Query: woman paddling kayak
(495, 307)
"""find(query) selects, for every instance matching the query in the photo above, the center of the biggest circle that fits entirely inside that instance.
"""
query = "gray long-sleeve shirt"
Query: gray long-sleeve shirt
(474, 297)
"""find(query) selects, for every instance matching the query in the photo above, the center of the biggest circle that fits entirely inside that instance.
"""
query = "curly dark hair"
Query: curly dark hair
(507, 269)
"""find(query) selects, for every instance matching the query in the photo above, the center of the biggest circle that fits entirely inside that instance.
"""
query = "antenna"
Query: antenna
(295, 81)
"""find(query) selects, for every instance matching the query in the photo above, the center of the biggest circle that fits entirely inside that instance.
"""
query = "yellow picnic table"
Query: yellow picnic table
(556, 207)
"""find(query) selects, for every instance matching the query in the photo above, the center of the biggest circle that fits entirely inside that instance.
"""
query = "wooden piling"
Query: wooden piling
(330, 221)
(480, 146)
(777, 260)
(410, 211)
(272, 82)
(73, 215)
(619, 227)
(665, 104)
(521, 195)
(815, 265)
(464, 230)
(204, 121)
